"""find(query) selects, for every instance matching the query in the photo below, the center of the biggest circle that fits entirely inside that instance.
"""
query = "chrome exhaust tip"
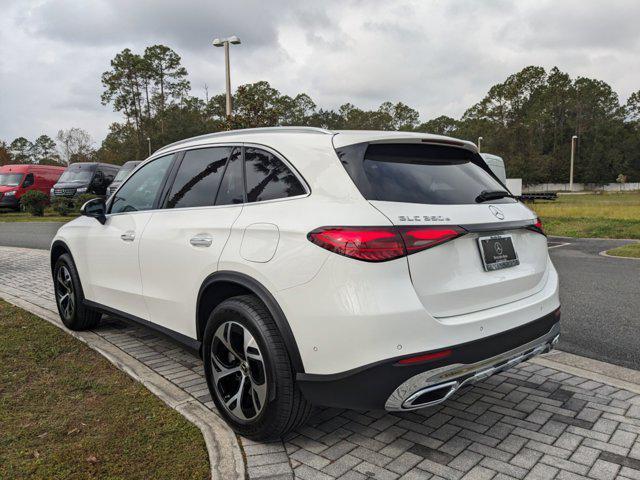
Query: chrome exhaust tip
(429, 396)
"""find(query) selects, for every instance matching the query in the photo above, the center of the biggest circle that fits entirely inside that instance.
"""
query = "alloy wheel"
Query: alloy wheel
(238, 369)
(65, 293)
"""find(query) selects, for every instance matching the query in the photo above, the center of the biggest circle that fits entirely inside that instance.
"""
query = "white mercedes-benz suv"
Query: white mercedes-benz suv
(356, 269)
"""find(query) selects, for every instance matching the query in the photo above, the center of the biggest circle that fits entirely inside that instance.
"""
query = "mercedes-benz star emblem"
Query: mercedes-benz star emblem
(498, 248)
(496, 212)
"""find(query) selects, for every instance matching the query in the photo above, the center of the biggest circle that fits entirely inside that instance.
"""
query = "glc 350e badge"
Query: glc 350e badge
(423, 218)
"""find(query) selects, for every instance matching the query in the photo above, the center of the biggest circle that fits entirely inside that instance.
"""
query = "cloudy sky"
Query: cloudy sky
(439, 56)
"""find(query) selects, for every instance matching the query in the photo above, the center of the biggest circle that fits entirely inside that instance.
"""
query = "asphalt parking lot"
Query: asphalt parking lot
(600, 300)
(600, 296)
(28, 234)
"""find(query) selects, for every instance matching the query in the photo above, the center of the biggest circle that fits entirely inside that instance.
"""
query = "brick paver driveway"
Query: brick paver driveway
(531, 422)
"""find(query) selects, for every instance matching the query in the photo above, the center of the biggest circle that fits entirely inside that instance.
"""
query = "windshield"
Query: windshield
(76, 176)
(124, 172)
(10, 179)
(419, 173)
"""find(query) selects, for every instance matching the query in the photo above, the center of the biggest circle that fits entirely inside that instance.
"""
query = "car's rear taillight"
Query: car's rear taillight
(371, 244)
(421, 238)
(379, 244)
(537, 227)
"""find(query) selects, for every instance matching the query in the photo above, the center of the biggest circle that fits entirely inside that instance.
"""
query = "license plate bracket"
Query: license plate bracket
(497, 252)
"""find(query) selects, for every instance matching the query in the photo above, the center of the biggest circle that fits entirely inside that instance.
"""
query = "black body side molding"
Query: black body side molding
(190, 343)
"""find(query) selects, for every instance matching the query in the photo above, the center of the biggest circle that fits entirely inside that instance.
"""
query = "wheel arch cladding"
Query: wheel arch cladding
(222, 285)
(58, 249)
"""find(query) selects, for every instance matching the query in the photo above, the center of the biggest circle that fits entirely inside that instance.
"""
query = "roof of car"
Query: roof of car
(340, 137)
(91, 164)
(25, 167)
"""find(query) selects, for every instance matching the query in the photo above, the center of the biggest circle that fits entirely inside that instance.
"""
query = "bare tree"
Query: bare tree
(76, 145)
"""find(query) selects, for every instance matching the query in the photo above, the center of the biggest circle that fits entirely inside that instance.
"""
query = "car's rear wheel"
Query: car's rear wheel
(249, 372)
(69, 298)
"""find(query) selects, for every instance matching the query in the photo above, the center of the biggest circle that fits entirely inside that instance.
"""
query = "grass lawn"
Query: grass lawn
(49, 216)
(67, 413)
(631, 250)
(612, 215)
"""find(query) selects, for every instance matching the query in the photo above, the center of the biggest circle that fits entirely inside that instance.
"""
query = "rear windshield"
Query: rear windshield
(418, 173)
(10, 179)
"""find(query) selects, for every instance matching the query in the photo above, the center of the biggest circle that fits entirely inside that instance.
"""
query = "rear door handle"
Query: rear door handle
(128, 236)
(201, 240)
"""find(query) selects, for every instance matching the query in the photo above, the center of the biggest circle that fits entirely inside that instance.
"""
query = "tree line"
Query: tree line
(528, 119)
(73, 145)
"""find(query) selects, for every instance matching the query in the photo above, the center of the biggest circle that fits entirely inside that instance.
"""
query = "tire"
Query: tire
(284, 408)
(69, 297)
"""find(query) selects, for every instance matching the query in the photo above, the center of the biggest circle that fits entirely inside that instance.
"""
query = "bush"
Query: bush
(63, 205)
(34, 202)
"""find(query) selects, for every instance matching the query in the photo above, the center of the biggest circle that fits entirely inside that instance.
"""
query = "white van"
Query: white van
(496, 164)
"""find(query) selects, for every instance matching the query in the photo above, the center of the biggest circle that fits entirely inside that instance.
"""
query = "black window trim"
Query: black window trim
(241, 145)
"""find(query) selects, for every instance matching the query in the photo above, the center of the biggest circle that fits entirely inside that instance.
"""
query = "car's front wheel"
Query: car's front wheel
(249, 372)
(69, 299)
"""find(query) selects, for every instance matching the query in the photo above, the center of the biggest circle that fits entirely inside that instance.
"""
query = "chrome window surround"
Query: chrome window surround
(178, 150)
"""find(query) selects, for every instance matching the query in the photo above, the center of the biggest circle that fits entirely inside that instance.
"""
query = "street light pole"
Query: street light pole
(573, 153)
(228, 81)
(479, 143)
(224, 42)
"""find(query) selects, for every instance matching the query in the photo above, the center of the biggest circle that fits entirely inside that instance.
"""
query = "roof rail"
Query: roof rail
(249, 131)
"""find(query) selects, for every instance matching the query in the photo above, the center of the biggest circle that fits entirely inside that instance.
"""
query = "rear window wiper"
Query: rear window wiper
(492, 195)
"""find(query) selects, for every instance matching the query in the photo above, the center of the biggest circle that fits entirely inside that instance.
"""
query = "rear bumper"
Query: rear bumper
(390, 386)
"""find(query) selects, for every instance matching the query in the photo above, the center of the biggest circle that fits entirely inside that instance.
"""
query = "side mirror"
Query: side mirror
(95, 208)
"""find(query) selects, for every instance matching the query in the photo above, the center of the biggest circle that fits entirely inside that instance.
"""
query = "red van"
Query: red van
(16, 180)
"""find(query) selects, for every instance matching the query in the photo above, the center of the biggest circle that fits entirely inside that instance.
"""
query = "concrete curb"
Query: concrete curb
(605, 254)
(225, 456)
(607, 373)
(594, 238)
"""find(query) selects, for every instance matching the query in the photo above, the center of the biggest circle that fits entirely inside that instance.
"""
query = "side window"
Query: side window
(28, 180)
(269, 178)
(140, 191)
(198, 178)
(232, 186)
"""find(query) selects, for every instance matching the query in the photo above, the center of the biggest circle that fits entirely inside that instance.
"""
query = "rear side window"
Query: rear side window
(198, 178)
(268, 178)
(231, 190)
(418, 173)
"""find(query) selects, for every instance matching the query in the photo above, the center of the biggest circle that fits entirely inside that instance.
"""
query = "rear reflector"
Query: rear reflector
(379, 244)
(425, 358)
